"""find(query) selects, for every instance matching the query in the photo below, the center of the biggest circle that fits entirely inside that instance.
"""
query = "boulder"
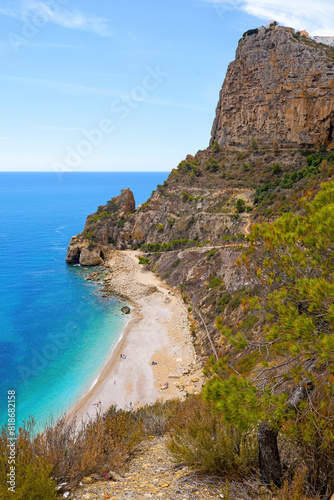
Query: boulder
(90, 257)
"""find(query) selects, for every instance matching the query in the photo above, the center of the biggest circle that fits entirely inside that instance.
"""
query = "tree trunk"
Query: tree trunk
(270, 463)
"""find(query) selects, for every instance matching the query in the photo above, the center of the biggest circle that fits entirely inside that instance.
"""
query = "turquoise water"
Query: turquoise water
(56, 328)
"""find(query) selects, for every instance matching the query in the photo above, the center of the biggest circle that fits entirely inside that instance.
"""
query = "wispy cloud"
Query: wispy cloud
(315, 17)
(4, 138)
(54, 13)
(67, 88)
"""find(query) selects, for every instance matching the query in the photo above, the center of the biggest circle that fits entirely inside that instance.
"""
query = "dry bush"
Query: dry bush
(32, 473)
(158, 418)
(296, 489)
(67, 450)
(310, 441)
(202, 441)
(95, 446)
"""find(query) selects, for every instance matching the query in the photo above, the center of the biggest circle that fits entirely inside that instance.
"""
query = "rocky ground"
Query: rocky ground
(151, 473)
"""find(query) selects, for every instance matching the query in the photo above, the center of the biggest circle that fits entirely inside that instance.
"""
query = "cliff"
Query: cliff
(279, 90)
(195, 225)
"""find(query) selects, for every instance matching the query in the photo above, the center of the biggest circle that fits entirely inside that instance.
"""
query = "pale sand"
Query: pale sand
(157, 331)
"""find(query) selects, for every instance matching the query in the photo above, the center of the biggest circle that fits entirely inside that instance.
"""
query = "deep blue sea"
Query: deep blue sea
(56, 328)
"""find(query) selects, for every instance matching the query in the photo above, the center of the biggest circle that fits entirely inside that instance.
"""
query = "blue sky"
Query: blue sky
(104, 85)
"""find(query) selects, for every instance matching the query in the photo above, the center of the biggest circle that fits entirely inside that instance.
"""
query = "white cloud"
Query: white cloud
(54, 13)
(315, 17)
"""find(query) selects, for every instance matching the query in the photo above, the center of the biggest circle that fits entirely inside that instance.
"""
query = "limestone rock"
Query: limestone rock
(86, 480)
(73, 253)
(126, 202)
(279, 90)
(114, 476)
(90, 257)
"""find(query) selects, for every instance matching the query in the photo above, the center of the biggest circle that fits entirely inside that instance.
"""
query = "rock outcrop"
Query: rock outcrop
(103, 229)
(278, 92)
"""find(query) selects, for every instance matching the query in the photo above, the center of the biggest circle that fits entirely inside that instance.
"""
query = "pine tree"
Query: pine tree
(283, 379)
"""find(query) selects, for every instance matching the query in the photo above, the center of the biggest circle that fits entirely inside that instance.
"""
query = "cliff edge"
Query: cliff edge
(279, 91)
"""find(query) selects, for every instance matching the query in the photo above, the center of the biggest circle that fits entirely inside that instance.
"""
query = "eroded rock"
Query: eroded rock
(279, 91)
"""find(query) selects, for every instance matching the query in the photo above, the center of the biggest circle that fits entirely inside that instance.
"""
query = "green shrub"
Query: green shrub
(240, 205)
(201, 441)
(235, 302)
(176, 263)
(89, 235)
(216, 147)
(254, 144)
(251, 32)
(143, 260)
(186, 196)
(215, 282)
(189, 166)
(173, 245)
(211, 253)
(212, 165)
(277, 169)
(223, 301)
(160, 227)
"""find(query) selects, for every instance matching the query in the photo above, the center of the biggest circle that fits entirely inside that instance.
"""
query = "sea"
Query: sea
(56, 328)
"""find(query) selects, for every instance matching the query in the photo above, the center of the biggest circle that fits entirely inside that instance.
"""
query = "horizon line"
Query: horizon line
(79, 171)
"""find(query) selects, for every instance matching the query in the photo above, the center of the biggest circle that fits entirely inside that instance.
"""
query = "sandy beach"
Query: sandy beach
(158, 330)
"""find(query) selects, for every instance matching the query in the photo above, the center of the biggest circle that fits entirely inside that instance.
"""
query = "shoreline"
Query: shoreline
(158, 330)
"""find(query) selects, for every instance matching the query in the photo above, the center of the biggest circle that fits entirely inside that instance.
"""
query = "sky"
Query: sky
(100, 85)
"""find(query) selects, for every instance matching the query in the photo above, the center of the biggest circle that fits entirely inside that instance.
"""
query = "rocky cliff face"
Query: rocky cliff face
(279, 91)
(103, 230)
